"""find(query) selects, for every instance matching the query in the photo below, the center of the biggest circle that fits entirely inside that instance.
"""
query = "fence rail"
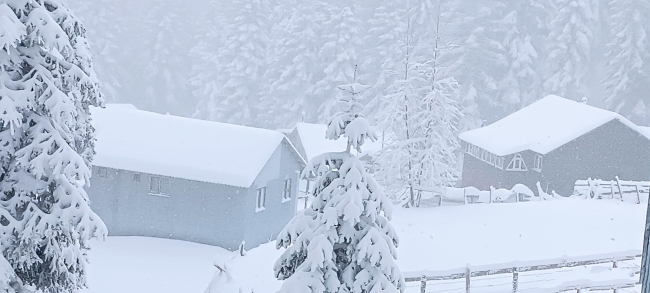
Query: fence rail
(515, 268)
(596, 188)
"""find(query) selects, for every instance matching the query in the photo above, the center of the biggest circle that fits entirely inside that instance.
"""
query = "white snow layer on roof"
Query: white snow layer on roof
(167, 145)
(542, 127)
(313, 140)
(645, 130)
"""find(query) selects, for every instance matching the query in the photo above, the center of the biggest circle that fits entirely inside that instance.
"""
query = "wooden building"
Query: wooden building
(555, 141)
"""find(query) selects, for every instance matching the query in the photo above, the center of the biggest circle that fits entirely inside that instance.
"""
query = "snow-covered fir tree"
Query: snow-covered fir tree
(165, 72)
(504, 43)
(569, 46)
(241, 63)
(344, 242)
(629, 57)
(420, 112)
(339, 51)
(105, 26)
(380, 50)
(293, 61)
(47, 85)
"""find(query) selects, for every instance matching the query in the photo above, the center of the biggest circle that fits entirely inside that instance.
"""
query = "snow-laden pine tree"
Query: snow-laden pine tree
(344, 242)
(569, 47)
(629, 56)
(420, 112)
(504, 45)
(380, 53)
(105, 25)
(293, 61)
(165, 74)
(234, 95)
(47, 85)
(339, 51)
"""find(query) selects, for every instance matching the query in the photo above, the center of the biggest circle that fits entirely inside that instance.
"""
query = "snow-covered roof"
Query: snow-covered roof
(542, 127)
(312, 138)
(645, 130)
(141, 141)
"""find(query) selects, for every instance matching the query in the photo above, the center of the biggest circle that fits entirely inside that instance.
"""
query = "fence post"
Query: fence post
(515, 280)
(620, 190)
(638, 197)
(468, 276)
(423, 284)
(490, 194)
(465, 194)
(611, 185)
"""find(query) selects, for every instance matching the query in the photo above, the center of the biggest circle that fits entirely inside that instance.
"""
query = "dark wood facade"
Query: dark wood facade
(611, 150)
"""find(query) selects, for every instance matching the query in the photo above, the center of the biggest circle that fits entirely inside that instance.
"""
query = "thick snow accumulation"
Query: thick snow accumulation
(433, 239)
(141, 141)
(542, 127)
(313, 140)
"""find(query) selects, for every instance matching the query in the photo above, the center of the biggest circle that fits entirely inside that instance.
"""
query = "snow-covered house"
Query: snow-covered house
(180, 178)
(555, 141)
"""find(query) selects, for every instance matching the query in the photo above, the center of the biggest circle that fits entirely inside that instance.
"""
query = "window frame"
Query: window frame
(499, 162)
(162, 182)
(517, 164)
(286, 191)
(154, 188)
(260, 199)
(539, 163)
(137, 177)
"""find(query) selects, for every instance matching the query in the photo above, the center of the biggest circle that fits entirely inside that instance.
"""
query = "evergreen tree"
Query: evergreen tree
(344, 242)
(420, 113)
(165, 81)
(47, 85)
(105, 22)
(629, 56)
(241, 64)
(341, 42)
(293, 61)
(569, 47)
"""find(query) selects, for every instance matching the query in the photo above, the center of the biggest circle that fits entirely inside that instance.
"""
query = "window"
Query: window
(286, 193)
(159, 185)
(517, 164)
(102, 172)
(484, 155)
(164, 185)
(154, 185)
(538, 163)
(499, 162)
(260, 202)
(136, 177)
(491, 159)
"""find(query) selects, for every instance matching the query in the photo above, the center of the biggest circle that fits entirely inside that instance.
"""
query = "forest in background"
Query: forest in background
(271, 63)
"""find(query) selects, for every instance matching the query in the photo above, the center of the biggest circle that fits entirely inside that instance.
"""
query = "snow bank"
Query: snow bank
(542, 127)
(168, 145)
(442, 239)
(453, 236)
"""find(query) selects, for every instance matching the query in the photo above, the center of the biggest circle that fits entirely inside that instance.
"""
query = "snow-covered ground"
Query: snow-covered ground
(430, 239)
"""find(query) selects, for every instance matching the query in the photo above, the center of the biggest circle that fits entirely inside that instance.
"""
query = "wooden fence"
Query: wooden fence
(516, 268)
(596, 188)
